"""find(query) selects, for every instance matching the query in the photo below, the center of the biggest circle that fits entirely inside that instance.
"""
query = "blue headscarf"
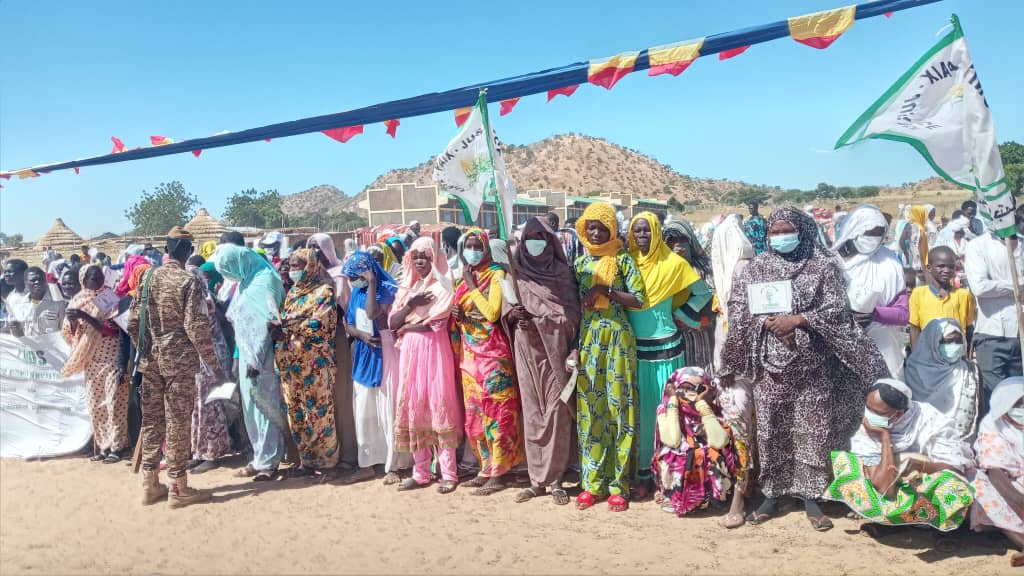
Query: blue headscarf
(258, 300)
(359, 262)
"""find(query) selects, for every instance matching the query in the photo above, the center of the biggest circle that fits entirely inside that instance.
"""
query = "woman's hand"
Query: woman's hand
(276, 331)
(590, 298)
(783, 326)
(457, 314)
(369, 276)
(520, 316)
(467, 277)
(252, 372)
(421, 299)
(573, 361)
(874, 431)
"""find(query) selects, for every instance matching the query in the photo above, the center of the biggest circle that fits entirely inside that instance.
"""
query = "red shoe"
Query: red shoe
(585, 500)
(617, 503)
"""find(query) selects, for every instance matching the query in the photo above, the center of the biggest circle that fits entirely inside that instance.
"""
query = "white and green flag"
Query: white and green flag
(472, 169)
(938, 107)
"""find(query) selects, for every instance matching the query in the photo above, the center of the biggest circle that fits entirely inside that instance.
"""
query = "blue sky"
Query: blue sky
(77, 73)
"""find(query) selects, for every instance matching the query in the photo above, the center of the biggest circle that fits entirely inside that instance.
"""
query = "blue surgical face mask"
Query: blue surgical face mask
(535, 247)
(784, 243)
(876, 420)
(473, 257)
(359, 283)
(951, 351)
(296, 275)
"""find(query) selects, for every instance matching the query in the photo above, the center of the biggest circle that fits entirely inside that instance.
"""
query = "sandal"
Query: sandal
(204, 466)
(492, 486)
(476, 482)
(447, 486)
(616, 503)
(360, 475)
(411, 484)
(733, 520)
(757, 518)
(560, 496)
(112, 458)
(265, 476)
(300, 472)
(391, 478)
(585, 500)
(820, 523)
(659, 497)
(98, 457)
(247, 472)
(529, 494)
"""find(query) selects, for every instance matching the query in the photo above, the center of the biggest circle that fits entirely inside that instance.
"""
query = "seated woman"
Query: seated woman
(938, 374)
(999, 484)
(694, 458)
(905, 465)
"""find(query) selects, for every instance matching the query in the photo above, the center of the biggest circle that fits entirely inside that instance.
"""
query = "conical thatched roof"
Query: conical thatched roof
(59, 235)
(205, 227)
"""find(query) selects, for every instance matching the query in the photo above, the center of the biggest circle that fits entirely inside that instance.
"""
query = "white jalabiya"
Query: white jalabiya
(921, 429)
(1000, 445)
(730, 249)
(879, 274)
(947, 236)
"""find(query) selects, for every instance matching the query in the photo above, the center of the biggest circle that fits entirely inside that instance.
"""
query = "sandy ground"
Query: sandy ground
(72, 516)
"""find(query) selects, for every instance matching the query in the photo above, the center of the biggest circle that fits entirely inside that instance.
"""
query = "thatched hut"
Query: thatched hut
(205, 227)
(59, 236)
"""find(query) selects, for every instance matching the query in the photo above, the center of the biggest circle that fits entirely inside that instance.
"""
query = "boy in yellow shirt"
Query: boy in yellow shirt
(938, 298)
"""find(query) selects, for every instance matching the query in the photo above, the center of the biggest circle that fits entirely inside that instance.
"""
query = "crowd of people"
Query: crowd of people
(650, 359)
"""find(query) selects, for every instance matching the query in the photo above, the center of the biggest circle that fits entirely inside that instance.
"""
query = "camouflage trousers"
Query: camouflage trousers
(167, 404)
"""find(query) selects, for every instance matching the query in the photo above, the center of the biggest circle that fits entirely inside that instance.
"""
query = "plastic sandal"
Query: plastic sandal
(585, 500)
(617, 503)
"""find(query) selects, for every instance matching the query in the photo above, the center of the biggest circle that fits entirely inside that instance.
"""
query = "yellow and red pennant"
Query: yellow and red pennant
(26, 173)
(606, 72)
(343, 134)
(392, 127)
(461, 115)
(821, 29)
(563, 91)
(508, 105)
(118, 145)
(673, 58)
(160, 140)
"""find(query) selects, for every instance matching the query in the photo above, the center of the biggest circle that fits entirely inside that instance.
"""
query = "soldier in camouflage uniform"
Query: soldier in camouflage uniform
(170, 327)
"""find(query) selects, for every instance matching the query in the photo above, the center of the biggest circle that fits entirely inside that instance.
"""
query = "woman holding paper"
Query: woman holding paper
(304, 353)
(545, 325)
(606, 393)
(94, 350)
(671, 284)
(489, 388)
(792, 333)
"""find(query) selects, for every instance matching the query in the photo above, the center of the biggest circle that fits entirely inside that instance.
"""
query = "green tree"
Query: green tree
(1013, 165)
(167, 206)
(341, 222)
(11, 240)
(676, 204)
(745, 196)
(252, 208)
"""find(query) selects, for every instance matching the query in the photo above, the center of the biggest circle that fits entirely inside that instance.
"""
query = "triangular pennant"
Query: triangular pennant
(606, 72)
(821, 29)
(118, 145)
(726, 54)
(461, 115)
(564, 91)
(344, 134)
(392, 126)
(508, 105)
(160, 140)
(673, 58)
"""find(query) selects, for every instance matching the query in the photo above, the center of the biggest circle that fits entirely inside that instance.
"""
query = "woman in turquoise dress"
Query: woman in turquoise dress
(670, 283)
(606, 394)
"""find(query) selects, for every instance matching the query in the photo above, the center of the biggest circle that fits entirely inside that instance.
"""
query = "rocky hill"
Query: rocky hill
(583, 165)
(322, 199)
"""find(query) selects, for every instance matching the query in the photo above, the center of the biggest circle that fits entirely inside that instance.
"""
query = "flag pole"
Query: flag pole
(1015, 280)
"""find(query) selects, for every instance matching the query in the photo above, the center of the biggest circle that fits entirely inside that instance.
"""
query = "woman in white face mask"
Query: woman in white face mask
(905, 465)
(875, 283)
(999, 483)
(940, 375)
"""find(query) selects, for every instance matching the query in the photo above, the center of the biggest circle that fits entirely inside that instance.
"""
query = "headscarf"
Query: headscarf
(879, 273)
(207, 249)
(995, 430)
(729, 246)
(256, 302)
(312, 278)
(666, 274)
(483, 273)
(607, 253)
(326, 245)
(359, 262)
(499, 251)
(437, 283)
(682, 231)
(811, 246)
(101, 304)
(918, 217)
(547, 283)
(927, 371)
(135, 281)
(921, 429)
(129, 266)
(213, 277)
(389, 256)
(349, 246)
(947, 236)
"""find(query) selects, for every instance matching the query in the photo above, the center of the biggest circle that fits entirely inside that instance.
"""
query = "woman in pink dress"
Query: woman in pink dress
(429, 412)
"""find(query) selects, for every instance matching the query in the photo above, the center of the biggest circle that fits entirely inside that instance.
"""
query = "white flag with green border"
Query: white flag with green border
(473, 170)
(939, 108)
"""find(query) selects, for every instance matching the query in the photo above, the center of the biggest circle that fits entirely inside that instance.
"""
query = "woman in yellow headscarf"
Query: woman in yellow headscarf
(919, 236)
(606, 395)
(207, 249)
(670, 282)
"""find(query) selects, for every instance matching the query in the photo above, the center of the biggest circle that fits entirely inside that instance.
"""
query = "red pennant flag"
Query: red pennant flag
(5, 176)
(196, 153)
(565, 91)
(508, 105)
(888, 14)
(461, 115)
(76, 170)
(160, 140)
(606, 72)
(118, 145)
(392, 126)
(726, 54)
(266, 139)
(343, 134)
